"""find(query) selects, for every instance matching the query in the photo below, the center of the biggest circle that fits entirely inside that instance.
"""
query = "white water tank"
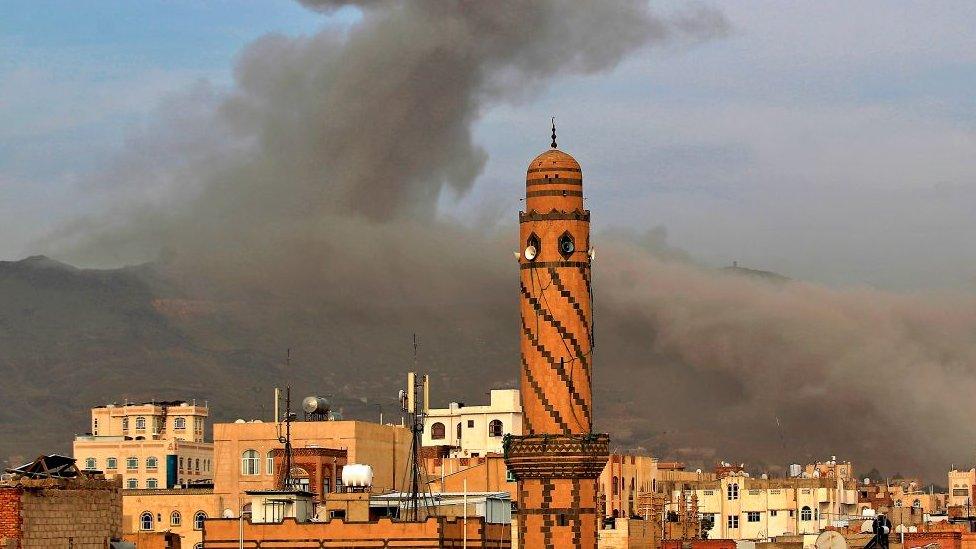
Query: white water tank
(356, 475)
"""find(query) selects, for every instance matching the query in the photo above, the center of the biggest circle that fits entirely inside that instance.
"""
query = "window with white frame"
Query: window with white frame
(152, 483)
(131, 462)
(111, 463)
(90, 464)
(732, 492)
(175, 518)
(179, 423)
(495, 428)
(806, 513)
(152, 462)
(268, 465)
(146, 521)
(140, 423)
(132, 484)
(250, 463)
(198, 519)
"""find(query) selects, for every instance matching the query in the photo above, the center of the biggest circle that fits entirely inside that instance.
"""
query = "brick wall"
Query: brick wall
(9, 514)
(81, 514)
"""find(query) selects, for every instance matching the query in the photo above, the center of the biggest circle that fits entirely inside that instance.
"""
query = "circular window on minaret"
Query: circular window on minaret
(567, 245)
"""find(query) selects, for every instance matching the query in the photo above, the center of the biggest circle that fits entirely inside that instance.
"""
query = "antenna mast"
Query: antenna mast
(286, 480)
(414, 403)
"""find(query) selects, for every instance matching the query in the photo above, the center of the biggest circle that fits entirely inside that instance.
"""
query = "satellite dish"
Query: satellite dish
(530, 252)
(830, 539)
(867, 527)
(592, 253)
(517, 256)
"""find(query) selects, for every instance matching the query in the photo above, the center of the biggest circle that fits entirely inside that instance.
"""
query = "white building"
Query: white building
(473, 431)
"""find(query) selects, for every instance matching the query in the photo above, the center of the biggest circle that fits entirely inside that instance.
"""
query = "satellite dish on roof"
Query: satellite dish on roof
(830, 539)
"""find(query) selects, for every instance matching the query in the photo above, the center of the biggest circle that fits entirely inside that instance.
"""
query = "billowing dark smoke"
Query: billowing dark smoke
(305, 204)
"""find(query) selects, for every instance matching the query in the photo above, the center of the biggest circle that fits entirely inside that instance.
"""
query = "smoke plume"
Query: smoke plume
(304, 202)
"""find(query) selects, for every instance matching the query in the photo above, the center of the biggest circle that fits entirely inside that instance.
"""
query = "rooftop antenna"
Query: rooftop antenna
(286, 480)
(554, 132)
(414, 403)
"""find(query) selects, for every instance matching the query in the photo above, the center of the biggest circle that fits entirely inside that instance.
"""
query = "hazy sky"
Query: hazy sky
(833, 141)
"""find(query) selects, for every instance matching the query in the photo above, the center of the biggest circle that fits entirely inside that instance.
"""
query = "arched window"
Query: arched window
(495, 428)
(806, 513)
(916, 504)
(179, 423)
(198, 520)
(250, 463)
(111, 463)
(90, 464)
(175, 518)
(140, 423)
(458, 431)
(132, 484)
(131, 462)
(732, 492)
(152, 463)
(615, 486)
(146, 521)
(437, 431)
(269, 463)
(198, 546)
(196, 468)
(151, 483)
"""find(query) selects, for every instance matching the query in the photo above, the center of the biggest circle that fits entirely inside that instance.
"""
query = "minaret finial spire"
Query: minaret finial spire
(554, 132)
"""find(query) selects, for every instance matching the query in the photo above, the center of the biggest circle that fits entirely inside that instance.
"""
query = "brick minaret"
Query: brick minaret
(558, 461)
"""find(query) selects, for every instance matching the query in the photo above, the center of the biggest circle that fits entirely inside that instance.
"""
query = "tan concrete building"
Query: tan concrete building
(962, 487)
(473, 431)
(622, 480)
(743, 508)
(180, 511)
(245, 457)
(149, 445)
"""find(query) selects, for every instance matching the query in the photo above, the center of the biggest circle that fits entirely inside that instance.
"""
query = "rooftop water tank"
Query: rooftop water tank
(315, 405)
(356, 475)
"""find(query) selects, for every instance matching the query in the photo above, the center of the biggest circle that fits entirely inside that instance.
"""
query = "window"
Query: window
(916, 504)
(95, 426)
(566, 245)
(732, 492)
(616, 486)
(198, 546)
(152, 483)
(250, 463)
(90, 464)
(562, 519)
(495, 428)
(140, 423)
(752, 516)
(898, 503)
(175, 518)
(179, 423)
(111, 463)
(132, 463)
(196, 468)
(198, 520)
(181, 464)
(772, 512)
(733, 521)
(146, 521)
(326, 485)
(792, 513)
(806, 513)
(509, 476)
(125, 424)
(152, 463)
(470, 423)
(709, 492)
(268, 465)
(132, 484)
(437, 431)
(458, 431)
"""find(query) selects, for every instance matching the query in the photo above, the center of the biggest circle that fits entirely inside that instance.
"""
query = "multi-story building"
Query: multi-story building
(149, 445)
(623, 478)
(246, 453)
(180, 511)
(473, 431)
(743, 508)
(962, 488)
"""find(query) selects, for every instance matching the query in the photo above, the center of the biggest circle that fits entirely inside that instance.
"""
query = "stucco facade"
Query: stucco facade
(180, 511)
(473, 431)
